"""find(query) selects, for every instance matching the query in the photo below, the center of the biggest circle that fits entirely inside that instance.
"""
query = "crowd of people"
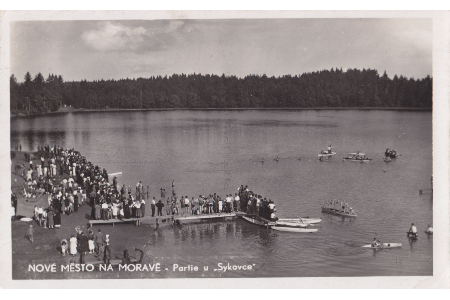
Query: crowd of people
(65, 194)
(79, 182)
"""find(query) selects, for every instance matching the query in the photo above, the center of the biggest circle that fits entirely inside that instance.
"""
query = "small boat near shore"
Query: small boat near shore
(293, 229)
(291, 224)
(255, 219)
(382, 246)
(301, 220)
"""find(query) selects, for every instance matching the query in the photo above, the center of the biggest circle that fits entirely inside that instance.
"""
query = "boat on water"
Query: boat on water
(390, 153)
(279, 225)
(357, 157)
(291, 224)
(302, 220)
(327, 153)
(293, 229)
(412, 235)
(338, 212)
(383, 246)
(255, 219)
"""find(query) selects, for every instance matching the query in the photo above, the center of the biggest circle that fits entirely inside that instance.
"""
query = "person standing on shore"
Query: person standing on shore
(73, 245)
(99, 242)
(153, 206)
(143, 206)
(91, 237)
(107, 251)
(29, 234)
(160, 205)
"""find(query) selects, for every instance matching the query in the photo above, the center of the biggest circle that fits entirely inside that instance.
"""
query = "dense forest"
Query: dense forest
(328, 88)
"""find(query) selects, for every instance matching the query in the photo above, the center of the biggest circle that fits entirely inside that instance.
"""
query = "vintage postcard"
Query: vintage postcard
(308, 149)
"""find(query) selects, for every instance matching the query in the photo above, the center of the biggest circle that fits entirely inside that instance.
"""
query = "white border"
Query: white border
(441, 156)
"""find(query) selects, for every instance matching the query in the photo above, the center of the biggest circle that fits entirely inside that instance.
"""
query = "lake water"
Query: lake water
(216, 151)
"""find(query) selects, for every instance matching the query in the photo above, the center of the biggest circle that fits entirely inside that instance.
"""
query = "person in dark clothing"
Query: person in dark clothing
(159, 205)
(75, 203)
(99, 242)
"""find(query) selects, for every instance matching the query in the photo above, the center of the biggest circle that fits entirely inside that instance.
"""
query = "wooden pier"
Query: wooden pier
(136, 221)
(168, 218)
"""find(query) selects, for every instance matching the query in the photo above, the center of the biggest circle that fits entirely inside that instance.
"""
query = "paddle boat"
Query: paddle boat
(357, 157)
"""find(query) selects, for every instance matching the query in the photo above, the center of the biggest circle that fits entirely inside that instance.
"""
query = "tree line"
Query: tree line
(328, 88)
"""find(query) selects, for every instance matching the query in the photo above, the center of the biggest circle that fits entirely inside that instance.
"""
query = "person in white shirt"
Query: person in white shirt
(236, 202)
(186, 205)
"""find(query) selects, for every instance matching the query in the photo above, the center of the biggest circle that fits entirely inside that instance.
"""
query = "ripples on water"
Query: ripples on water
(216, 151)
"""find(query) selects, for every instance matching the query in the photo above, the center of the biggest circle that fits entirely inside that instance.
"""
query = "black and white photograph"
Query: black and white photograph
(207, 145)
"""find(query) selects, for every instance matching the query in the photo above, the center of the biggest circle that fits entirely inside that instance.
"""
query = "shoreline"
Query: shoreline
(81, 110)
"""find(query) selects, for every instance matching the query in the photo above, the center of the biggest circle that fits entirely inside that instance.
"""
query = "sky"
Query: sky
(116, 49)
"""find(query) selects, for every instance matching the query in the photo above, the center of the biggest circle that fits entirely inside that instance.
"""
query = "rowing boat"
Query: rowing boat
(383, 246)
(338, 212)
(258, 220)
(293, 229)
(301, 220)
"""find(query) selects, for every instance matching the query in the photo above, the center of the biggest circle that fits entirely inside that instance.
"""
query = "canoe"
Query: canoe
(291, 224)
(258, 220)
(383, 246)
(337, 212)
(293, 229)
(302, 220)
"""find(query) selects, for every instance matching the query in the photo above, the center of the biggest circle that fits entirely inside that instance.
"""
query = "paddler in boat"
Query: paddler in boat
(376, 242)
(413, 230)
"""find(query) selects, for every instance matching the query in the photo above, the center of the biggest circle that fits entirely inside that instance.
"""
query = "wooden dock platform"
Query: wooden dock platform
(136, 221)
(168, 218)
